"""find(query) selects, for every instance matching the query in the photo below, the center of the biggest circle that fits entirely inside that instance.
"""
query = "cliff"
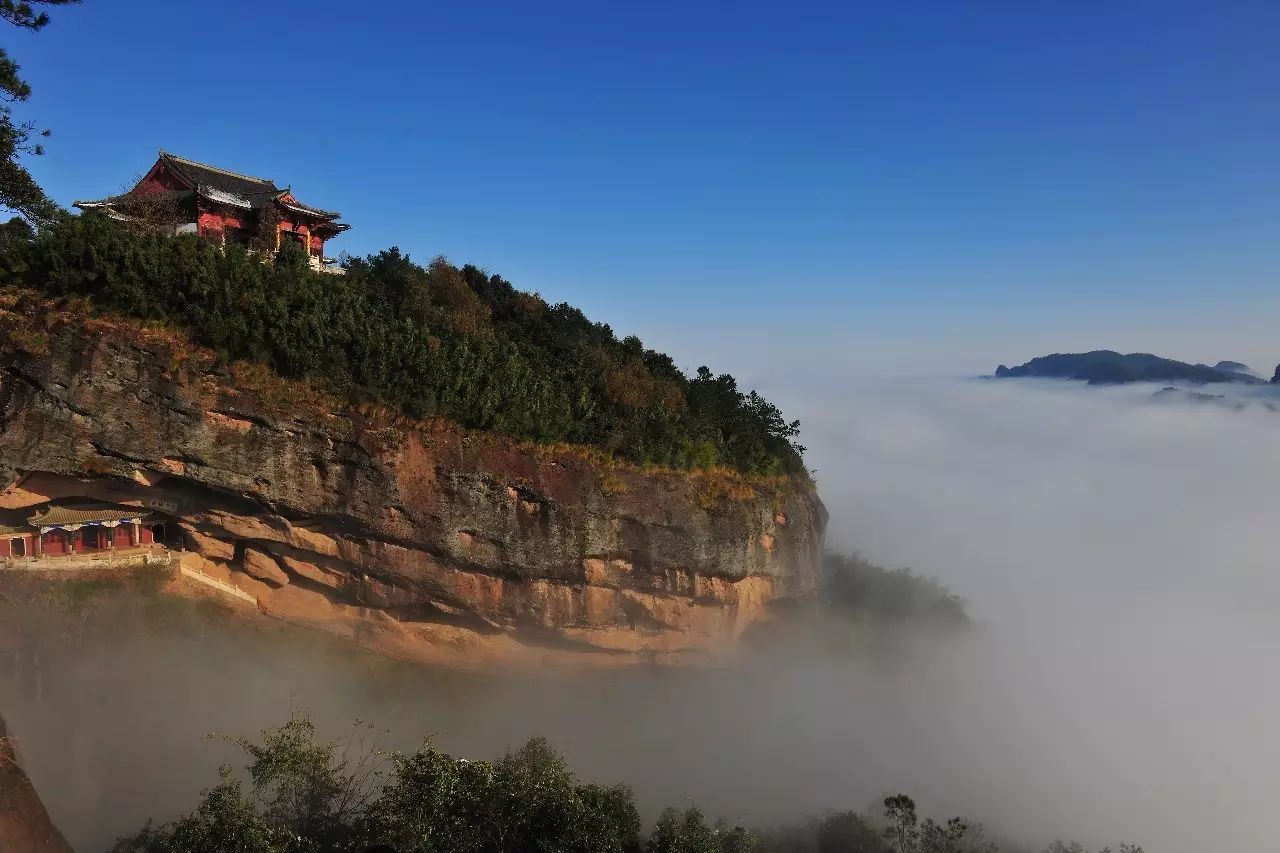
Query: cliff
(419, 538)
(25, 826)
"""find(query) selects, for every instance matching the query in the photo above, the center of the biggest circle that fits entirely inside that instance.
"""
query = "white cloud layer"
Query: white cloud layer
(1122, 555)
(1119, 553)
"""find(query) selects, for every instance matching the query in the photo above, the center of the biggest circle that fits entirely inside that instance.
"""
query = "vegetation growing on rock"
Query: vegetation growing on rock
(855, 587)
(437, 341)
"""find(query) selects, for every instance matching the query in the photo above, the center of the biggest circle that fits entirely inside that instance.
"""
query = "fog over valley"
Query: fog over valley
(1119, 554)
(639, 428)
(1114, 552)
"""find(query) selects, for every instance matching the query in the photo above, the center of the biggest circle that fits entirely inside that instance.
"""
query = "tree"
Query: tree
(906, 834)
(526, 802)
(153, 212)
(307, 795)
(689, 832)
(18, 190)
(937, 838)
(849, 832)
(858, 588)
(307, 786)
(15, 247)
(1060, 846)
(267, 236)
(902, 830)
(224, 820)
(735, 839)
(611, 822)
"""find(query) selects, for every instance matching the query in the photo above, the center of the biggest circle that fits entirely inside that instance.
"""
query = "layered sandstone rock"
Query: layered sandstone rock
(420, 534)
(264, 567)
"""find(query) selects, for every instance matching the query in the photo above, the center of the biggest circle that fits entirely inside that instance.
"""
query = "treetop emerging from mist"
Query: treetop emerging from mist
(309, 794)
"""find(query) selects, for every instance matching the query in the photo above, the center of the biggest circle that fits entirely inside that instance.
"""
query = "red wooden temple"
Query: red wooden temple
(76, 527)
(227, 206)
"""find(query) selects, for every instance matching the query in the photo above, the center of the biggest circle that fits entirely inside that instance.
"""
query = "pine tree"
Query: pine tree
(18, 190)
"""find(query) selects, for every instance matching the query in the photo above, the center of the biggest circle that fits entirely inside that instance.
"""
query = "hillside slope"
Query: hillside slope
(420, 538)
(428, 341)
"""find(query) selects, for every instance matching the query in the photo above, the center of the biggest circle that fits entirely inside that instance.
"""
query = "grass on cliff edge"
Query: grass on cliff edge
(433, 341)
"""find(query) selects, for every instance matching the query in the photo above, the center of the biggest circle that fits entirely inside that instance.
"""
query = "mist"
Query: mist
(1114, 552)
(1119, 553)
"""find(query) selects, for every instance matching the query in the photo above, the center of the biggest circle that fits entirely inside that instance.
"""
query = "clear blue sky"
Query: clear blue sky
(882, 187)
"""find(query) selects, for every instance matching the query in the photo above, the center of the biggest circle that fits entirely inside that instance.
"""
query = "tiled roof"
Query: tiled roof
(125, 199)
(308, 209)
(89, 512)
(202, 174)
(223, 186)
(233, 188)
(12, 521)
(225, 197)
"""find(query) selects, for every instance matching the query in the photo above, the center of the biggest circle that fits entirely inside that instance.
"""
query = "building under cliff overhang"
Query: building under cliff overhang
(60, 528)
(184, 196)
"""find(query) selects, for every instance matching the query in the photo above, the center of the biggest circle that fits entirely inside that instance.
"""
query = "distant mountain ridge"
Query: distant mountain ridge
(1107, 367)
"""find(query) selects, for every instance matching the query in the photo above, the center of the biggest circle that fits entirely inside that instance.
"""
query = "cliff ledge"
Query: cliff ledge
(418, 538)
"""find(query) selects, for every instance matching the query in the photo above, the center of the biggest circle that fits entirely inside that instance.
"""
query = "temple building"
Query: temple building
(76, 527)
(191, 197)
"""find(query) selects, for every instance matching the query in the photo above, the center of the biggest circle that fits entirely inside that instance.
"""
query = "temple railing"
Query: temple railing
(108, 558)
(217, 583)
(318, 265)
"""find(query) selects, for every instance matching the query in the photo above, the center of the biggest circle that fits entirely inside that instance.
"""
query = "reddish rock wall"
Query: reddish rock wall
(432, 538)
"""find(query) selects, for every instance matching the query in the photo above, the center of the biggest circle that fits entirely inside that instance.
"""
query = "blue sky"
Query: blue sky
(913, 187)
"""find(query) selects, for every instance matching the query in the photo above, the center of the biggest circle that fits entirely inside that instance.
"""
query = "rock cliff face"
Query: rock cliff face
(421, 539)
(25, 826)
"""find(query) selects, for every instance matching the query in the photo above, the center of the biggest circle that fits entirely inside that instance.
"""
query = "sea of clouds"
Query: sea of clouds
(1118, 555)
(1120, 551)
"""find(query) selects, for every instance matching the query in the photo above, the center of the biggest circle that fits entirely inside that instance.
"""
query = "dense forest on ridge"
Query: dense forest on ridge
(434, 341)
